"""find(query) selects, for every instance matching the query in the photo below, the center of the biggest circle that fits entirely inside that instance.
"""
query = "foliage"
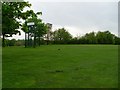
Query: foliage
(32, 18)
(14, 42)
(39, 28)
(12, 12)
(89, 38)
(62, 35)
(105, 37)
(97, 38)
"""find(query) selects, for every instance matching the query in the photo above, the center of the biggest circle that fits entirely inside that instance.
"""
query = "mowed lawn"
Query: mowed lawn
(73, 66)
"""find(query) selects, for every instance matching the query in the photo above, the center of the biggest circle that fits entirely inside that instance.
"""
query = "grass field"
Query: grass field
(73, 66)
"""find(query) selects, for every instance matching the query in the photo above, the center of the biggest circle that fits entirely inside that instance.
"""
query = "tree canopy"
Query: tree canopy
(62, 35)
(12, 12)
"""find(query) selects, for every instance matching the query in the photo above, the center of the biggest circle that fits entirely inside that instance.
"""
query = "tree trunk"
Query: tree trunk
(3, 40)
(39, 40)
(25, 40)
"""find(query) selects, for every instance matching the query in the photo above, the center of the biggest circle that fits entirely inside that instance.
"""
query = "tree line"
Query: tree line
(62, 36)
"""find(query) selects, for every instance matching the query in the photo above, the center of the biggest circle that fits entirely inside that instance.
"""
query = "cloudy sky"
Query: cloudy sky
(78, 17)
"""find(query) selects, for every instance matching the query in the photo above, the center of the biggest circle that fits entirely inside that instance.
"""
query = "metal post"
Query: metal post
(28, 37)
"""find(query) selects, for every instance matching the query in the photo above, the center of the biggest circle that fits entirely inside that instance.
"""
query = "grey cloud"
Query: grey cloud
(85, 16)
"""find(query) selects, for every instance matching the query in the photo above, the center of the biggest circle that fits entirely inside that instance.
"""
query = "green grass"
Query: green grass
(73, 66)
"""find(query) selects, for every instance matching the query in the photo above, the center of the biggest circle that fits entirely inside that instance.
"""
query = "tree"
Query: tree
(90, 38)
(12, 12)
(40, 28)
(105, 37)
(62, 35)
(117, 40)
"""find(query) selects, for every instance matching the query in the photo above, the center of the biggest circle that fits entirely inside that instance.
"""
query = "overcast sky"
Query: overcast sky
(78, 17)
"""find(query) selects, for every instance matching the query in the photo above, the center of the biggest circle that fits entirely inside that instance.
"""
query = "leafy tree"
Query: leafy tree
(12, 12)
(90, 37)
(62, 35)
(117, 40)
(40, 28)
(105, 37)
